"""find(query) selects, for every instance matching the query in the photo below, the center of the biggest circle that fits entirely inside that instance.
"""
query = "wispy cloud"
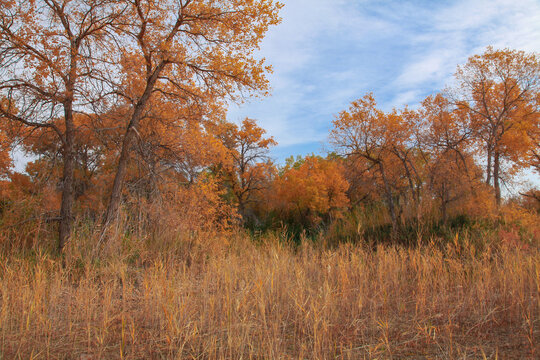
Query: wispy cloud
(327, 53)
(466, 27)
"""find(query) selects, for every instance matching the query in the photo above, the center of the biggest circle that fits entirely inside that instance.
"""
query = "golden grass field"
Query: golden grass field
(235, 299)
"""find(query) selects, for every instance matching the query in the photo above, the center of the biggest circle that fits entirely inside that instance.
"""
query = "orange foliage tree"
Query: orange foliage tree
(310, 191)
(189, 52)
(500, 91)
(250, 169)
(445, 137)
(379, 139)
(51, 54)
(172, 161)
(89, 154)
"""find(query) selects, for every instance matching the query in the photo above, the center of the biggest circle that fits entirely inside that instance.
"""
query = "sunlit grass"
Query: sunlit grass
(232, 299)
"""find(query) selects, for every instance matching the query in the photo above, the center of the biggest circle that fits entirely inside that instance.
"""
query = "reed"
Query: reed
(232, 298)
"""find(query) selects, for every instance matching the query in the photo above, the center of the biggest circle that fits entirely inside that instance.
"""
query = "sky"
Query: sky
(327, 53)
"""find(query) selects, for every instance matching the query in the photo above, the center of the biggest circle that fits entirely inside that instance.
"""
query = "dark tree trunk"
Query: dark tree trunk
(242, 210)
(496, 178)
(129, 137)
(66, 209)
(413, 186)
(444, 212)
(444, 204)
(390, 202)
(488, 172)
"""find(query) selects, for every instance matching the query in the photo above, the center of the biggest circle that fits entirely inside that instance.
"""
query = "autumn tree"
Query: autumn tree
(50, 53)
(173, 152)
(366, 132)
(310, 190)
(190, 51)
(90, 152)
(250, 167)
(500, 91)
(170, 183)
(445, 138)
(407, 148)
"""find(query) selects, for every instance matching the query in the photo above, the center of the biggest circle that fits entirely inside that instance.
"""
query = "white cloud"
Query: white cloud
(405, 98)
(463, 29)
(426, 69)
(328, 53)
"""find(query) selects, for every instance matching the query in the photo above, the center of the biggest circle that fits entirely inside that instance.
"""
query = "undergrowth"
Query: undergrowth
(210, 296)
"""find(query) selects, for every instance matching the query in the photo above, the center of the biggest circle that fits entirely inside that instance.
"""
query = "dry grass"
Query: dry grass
(218, 300)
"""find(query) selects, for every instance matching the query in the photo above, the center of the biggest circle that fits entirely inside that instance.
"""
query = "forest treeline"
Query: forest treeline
(121, 107)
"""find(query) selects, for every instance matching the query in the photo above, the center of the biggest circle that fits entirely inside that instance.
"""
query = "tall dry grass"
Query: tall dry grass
(233, 299)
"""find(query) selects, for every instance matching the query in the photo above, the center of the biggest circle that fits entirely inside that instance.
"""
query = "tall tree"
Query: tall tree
(189, 51)
(445, 138)
(249, 151)
(367, 132)
(50, 56)
(500, 90)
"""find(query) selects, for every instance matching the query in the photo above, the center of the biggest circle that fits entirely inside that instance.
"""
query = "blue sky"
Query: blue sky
(327, 53)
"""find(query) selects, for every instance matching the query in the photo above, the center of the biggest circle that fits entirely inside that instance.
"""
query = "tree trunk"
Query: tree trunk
(129, 137)
(413, 186)
(116, 194)
(390, 203)
(444, 203)
(242, 209)
(496, 178)
(66, 209)
(488, 172)
(444, 212)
